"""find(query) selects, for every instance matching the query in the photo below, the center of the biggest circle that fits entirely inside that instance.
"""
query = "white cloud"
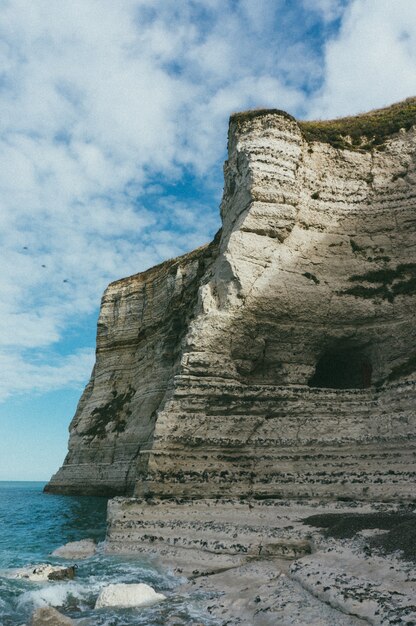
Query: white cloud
(371, 62)
(106, 105)
(329, 9)
(36, 377)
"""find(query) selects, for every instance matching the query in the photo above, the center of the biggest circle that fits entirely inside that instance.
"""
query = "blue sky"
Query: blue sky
(113, 134)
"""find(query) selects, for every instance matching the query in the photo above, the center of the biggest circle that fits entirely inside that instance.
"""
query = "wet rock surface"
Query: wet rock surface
(48, 616)
(128, 595)
(76, 549)
(260, 593)
(394, 531)
(232, 553)
(42, 572)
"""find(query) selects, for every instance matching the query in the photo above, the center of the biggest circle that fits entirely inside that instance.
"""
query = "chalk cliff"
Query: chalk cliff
(279, 360)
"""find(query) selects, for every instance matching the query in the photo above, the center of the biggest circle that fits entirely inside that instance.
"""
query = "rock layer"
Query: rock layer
(238, 553)
(140, 328)
(279, 361)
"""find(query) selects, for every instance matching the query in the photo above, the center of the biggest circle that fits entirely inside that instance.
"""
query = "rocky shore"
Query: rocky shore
(248, 563)
(270, 563)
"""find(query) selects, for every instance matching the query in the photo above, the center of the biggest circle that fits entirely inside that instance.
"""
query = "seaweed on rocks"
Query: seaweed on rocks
(401, 527)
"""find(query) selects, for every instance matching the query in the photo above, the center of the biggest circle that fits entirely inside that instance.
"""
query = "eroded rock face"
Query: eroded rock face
(264, 562)
(207, 535)
(142, 322)
(280, 360)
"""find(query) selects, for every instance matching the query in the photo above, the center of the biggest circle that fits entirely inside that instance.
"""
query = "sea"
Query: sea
(33, 524)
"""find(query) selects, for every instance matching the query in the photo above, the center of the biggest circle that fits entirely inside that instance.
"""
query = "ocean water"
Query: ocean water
(33, 524)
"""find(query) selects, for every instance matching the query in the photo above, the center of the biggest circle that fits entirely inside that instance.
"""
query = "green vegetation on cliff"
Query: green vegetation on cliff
(360, 132)
(365, 131)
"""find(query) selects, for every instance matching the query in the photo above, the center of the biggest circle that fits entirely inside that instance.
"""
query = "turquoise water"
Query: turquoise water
(33, 524)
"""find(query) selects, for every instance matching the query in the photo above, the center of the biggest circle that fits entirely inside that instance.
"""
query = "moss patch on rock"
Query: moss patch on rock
(116, 411)
(386, 283)
(401, 527)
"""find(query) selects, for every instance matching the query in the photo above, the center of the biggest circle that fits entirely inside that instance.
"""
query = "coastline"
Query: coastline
(271, 365)
(250, 563)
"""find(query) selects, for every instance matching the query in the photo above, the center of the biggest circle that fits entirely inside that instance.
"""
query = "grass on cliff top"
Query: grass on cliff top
(359, 132)
(242, 116)
(169, 263)
(365, 131)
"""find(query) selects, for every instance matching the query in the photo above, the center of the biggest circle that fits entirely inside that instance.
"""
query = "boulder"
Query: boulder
(44, 572)
(128, 595)
(76, 549)
(48, 616)
(63, 574)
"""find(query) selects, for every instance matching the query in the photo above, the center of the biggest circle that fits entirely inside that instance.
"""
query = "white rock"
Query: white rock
(128, 595)
(76, 549)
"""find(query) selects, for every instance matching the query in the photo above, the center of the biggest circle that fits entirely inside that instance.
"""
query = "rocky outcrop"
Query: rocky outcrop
(205, 536)
(76, 550)
(237, 556)
(48, 616)
(42, 572)
(280, 360)
(128, 595)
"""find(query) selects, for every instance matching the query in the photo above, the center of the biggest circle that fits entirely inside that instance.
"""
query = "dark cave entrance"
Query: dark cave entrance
(342, 369)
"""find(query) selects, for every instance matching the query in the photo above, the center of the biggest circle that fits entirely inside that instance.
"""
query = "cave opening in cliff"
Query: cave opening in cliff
(342, 369)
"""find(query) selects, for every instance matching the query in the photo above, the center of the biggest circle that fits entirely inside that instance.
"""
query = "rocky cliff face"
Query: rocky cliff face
(279, 361)
(141, 325)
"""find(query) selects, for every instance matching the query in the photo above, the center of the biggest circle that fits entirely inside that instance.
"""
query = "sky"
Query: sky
(113, 131)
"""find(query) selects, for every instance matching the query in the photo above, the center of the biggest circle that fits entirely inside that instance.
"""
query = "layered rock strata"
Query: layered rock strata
(261, 562)
(141, 325)
(279, 361)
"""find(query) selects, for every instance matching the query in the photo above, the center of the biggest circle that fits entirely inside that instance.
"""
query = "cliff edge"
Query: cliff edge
(279, 361)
